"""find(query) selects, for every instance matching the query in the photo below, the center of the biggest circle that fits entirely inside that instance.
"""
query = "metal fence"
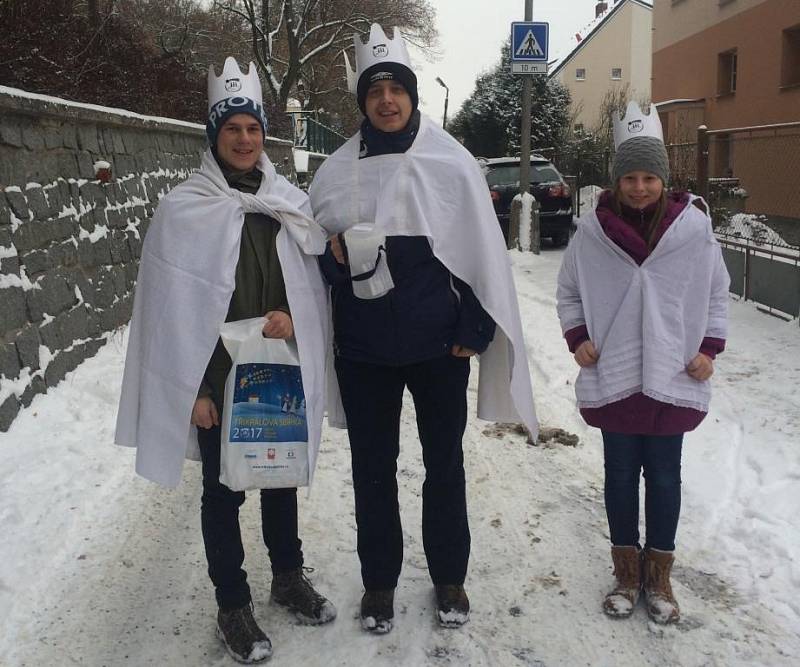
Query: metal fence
(764, 273)
(313, 136)
(749, 176)
(581, 168)
(750, 170)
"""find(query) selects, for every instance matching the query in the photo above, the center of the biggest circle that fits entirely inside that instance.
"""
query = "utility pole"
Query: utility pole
(530, 42)
(525, 148)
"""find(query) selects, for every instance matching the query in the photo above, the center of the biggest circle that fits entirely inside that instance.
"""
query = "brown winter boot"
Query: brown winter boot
(661, 604)
(245, 641)
(294, 591)
(620, 601)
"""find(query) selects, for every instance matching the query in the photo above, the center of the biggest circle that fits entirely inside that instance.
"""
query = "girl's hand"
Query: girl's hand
(586, 354)
(701, 367)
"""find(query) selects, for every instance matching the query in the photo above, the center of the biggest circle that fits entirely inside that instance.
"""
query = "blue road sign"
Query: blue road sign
(530, 42)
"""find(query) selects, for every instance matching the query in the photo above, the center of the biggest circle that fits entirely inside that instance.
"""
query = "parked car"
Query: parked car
(547, 186)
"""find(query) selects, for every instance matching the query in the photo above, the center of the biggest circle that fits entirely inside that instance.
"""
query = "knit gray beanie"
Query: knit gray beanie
(641, 154)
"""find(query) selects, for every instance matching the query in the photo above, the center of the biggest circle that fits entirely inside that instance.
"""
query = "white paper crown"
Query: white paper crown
(233, 83)
(636, 123)
(378, 49)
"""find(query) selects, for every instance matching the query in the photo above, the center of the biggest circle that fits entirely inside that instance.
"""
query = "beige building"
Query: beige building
(728, 65)
(614, 52)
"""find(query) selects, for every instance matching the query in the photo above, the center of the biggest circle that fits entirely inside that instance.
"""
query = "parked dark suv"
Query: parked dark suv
(547, 186)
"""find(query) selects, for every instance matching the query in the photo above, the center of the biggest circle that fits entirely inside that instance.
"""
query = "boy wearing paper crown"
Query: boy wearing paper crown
(420, 283)
(234, 241)
(642, 298)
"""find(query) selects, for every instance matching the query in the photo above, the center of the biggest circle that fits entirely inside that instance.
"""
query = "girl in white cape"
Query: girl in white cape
(642, 299)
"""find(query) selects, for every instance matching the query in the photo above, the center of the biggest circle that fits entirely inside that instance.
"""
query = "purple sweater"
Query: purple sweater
(638, 413)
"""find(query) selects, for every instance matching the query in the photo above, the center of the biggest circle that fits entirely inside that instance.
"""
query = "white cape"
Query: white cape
(436, 189)
(647, 321)
(186, 278)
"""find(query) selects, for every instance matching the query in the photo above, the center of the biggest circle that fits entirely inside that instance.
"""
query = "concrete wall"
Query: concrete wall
(69, 244)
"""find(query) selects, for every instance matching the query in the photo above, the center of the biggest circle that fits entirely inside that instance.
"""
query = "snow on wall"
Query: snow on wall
(70, 244)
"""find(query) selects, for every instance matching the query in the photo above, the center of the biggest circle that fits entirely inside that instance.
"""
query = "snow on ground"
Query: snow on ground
(752, 227)
(99, 567)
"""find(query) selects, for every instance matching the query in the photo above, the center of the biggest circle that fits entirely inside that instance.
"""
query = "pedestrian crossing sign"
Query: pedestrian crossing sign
(529, 47)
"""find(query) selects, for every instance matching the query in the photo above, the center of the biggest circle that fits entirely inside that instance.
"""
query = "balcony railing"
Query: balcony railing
(313, 136)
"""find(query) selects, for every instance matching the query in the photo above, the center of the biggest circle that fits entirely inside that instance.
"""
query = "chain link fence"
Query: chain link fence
(749, 178)
(754, 171)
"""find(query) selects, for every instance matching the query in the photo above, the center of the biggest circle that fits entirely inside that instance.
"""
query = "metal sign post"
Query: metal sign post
(529, 47)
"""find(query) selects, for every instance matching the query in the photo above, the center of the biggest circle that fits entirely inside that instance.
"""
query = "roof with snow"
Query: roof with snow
(592, 29)
(686, 100)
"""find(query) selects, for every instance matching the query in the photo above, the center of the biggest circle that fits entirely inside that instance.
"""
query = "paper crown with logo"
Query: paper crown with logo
(233, 92)
(380, 58)
(636, 123)
(639, 143)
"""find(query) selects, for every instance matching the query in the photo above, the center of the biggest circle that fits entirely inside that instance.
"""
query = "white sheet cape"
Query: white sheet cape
(647, 321)
(186, 278)
(436, 189)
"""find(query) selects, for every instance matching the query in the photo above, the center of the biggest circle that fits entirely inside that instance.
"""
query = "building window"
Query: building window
(580, 74)
(726, 72)
(616, 73)
(790, 66)
(578, 128)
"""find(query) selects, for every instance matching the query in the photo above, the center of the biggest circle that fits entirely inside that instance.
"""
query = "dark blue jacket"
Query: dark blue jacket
(428, 310)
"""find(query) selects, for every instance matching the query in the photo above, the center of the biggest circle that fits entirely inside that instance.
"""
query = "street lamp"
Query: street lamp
(446, 98)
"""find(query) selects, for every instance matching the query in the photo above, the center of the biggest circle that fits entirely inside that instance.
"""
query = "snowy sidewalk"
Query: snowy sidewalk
(99, 567)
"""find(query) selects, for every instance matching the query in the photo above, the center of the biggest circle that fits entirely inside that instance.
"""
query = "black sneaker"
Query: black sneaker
(377, 611)
(245, 641)
(452, 606)
(294, 591)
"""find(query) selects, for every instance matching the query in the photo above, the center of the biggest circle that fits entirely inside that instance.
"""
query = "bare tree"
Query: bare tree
(294, 39)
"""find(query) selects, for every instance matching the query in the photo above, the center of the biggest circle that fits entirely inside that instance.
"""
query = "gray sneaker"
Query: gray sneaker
(452, 606)
(377, 611)
(294, 591)
(245, 641)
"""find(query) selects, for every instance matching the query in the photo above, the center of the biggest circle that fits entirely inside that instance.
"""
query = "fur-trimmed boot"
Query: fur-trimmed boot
(620, 601)
(661, 603)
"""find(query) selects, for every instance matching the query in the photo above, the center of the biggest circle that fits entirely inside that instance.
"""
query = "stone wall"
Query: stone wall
(70, 244)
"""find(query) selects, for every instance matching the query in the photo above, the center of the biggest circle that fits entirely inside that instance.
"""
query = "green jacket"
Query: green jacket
(259, 281)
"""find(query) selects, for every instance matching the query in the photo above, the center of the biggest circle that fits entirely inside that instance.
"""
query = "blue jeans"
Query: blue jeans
(626, 455)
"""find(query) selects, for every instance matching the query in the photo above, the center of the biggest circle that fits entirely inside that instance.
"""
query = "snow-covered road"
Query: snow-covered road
(99, 567)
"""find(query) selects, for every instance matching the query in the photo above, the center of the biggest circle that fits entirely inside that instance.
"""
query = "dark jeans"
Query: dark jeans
(219, 516)
(372, 396)
(660, 457)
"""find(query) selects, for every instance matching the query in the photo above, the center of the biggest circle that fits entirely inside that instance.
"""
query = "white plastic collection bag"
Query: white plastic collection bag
(264, 443)
(366, 253)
